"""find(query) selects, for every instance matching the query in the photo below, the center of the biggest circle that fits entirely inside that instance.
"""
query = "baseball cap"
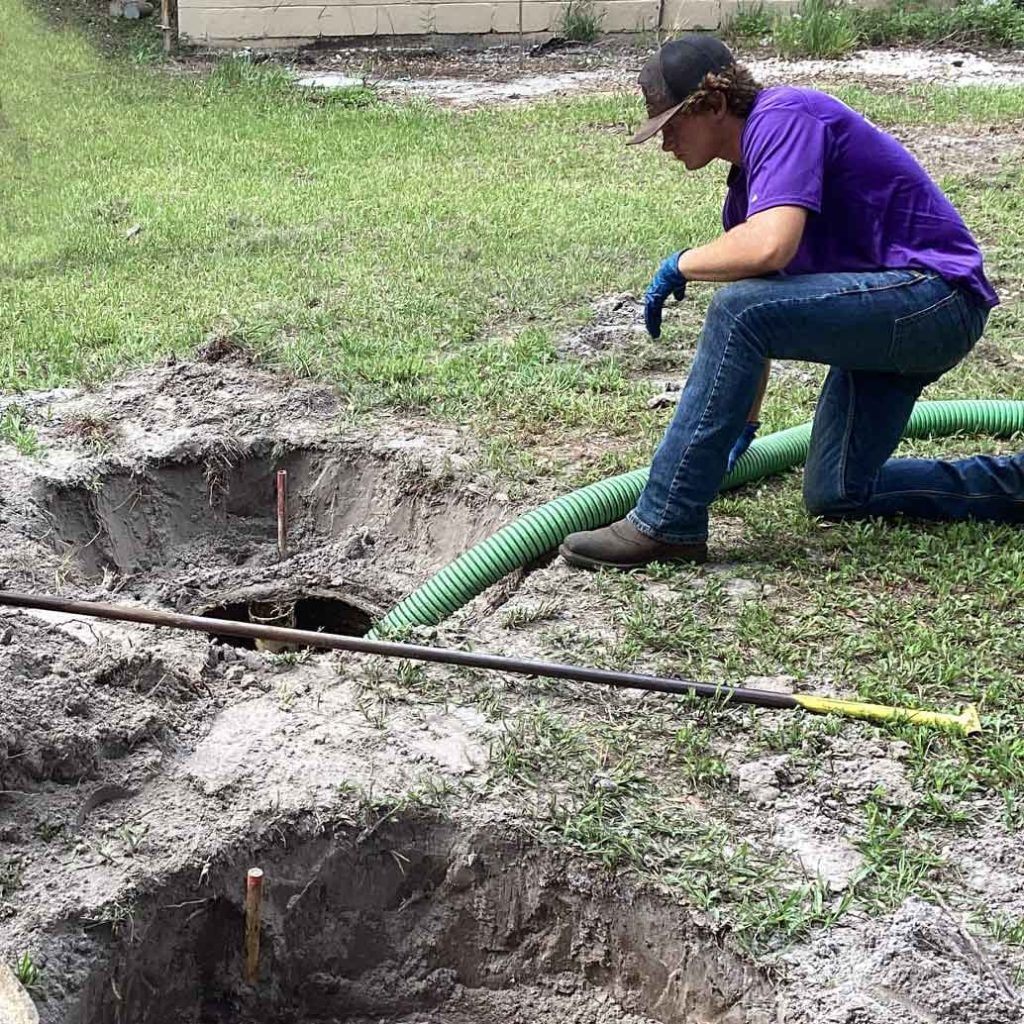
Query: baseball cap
(673, 73)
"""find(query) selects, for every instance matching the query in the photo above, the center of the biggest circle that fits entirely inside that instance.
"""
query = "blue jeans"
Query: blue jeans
(885, 335)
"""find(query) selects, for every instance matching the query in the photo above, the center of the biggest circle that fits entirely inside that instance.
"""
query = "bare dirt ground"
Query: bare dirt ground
(143, 770)
(621, 61)
(511, 75)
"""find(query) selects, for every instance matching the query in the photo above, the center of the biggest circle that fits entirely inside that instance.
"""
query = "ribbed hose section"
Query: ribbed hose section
(590, 508)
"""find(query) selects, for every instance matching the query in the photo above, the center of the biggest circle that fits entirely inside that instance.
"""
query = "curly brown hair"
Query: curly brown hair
(735, 83)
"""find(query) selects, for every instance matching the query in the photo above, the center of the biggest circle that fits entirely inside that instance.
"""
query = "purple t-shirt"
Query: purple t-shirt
(872, 206)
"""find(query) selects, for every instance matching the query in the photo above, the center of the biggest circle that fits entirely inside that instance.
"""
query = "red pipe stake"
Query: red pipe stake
(282, 513)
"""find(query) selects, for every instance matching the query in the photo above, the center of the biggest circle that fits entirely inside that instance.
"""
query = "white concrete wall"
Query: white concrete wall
(272, 23)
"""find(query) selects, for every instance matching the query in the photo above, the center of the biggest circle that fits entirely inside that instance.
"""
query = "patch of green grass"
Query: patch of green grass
(898, 859)
(692, 753)
(670, 625)
(134, 41)
(827, 28)
(631, 826)
(1003, 928)
(820, 28)
(395, 251)
(750, 22)
(385, 684)
(581, 21)
(775, 916)
(373, 809)
(526, 615)
(532, 741)
(48, 830)
(968, 23)
(27, 971)
(901, 613)
(15, 430)
(132, 837)
(353, 96)
(642, 794)
(96, 433)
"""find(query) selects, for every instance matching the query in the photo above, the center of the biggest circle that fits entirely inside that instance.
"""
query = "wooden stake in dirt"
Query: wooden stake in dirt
(253, 905)
(282, 513)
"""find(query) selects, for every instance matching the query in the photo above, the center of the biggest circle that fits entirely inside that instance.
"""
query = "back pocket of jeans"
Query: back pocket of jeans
(932, 340)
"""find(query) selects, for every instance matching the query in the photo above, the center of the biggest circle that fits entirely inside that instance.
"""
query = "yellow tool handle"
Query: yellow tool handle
(967, 721)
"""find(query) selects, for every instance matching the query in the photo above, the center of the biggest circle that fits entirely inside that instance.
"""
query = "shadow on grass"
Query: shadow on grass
(136, 41)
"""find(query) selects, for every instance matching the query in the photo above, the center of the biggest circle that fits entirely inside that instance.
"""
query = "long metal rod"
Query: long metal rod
(388, 649)
(966, 721)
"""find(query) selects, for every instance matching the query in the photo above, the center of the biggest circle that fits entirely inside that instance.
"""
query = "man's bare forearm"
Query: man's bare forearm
(734, 256)
(761, 245)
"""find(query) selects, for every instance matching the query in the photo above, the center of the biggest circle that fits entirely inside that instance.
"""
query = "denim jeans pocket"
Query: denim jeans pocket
(934, 339)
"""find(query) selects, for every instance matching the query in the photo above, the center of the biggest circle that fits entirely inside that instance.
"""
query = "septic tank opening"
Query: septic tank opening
(317, 613)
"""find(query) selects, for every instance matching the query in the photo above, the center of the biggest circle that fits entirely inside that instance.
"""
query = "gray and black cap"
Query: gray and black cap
(673, 73)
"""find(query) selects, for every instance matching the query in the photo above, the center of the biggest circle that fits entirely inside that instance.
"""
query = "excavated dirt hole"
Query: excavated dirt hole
(315, 612)
(221, 507)
(134, 521)
(211, 522)
(415, 921)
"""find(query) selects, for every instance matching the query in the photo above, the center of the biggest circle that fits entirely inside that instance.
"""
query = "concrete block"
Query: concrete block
(271, 26)
(728, 9)
(505, 16)
(207, 5)
(286, 21)
(210, 26)
(468, 17)
(683, 15)
(542, 16)
(273, 22)
(629, 15)
(339, 20)
(408, 19)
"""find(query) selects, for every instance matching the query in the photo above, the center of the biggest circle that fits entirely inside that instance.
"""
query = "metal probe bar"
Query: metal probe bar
(966, 721)
(388, 649)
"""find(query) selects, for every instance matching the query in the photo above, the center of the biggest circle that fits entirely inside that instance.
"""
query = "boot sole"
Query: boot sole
(583, 562)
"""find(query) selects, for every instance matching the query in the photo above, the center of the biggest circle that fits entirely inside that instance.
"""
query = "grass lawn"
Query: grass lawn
(425, 260)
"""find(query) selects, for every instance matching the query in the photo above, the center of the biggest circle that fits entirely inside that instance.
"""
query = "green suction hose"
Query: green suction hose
(589, 508)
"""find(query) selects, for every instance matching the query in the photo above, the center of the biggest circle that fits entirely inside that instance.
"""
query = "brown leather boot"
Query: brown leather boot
(623, 546)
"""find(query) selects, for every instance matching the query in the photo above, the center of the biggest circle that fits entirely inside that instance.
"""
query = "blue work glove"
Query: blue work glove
(667, 281)
(742, 443)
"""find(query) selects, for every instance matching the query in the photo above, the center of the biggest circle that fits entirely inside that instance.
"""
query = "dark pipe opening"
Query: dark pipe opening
(316, 613)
